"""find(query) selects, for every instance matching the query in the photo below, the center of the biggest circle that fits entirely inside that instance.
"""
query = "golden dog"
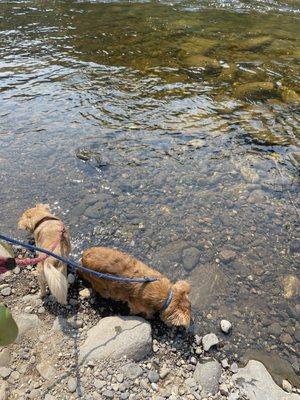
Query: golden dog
(170, 300)
(49, 233)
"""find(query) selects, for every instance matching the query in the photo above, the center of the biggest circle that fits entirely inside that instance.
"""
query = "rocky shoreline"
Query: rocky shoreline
(85, 351)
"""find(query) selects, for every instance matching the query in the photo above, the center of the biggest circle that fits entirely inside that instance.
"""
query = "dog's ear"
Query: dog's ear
(23, 222)
(182, 287)
(45, 207)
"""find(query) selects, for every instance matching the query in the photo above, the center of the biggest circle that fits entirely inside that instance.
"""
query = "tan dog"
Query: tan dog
(50, 234)
(170, 300)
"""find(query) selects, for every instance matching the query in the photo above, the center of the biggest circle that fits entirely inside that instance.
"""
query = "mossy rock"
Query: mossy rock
(208, 64)
(290, 96)
(255, 91)
(255, 44)
(196, 45)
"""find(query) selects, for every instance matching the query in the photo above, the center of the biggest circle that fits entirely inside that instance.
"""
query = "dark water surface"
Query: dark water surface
(169, 130)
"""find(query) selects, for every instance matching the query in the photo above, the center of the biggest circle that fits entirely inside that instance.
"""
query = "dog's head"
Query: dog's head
(32, 216)
(178, 313)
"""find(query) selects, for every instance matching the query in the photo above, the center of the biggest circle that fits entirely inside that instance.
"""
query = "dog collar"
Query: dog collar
(167, 301)
(48, 218)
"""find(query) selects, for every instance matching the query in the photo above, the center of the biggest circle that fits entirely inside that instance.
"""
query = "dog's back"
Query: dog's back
(114, 262)
(111, 261)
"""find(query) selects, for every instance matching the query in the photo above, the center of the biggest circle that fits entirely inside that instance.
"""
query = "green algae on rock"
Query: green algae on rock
(255, 91)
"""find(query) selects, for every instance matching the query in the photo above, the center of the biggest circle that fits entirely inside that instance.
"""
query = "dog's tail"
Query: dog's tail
(57, 282)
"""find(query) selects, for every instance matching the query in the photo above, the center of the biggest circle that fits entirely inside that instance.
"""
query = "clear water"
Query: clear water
(99, 103)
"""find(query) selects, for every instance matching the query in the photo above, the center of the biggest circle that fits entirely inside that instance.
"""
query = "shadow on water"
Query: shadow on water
(171, 132)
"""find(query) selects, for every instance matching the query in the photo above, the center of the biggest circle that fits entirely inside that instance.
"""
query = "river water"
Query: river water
(169, 130)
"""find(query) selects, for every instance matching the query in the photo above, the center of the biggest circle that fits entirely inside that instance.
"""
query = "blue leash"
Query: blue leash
(74, 265)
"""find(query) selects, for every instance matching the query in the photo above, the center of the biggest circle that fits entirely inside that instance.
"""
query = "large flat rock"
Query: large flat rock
(116, 337)
(255, 383)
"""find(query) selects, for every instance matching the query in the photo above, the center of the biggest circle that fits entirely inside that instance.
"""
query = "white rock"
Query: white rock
(287, 386)
(46, 370)
(225, 326)
(255, 383)
(85, 293)
(116, 337)
(209, 340)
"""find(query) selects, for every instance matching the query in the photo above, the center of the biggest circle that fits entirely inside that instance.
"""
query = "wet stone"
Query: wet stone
(227, 255)
(190, 258)
(255, 91)
(275, 329)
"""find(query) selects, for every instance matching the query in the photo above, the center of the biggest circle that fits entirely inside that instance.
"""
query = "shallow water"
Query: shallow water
(157, 127)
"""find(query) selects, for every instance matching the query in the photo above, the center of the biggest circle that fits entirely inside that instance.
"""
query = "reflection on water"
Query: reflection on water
(160, 127)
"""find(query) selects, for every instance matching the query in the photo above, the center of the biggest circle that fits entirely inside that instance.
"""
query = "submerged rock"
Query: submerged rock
(290, 96)
(197, 143)
(208, 375)
(203, 62)
(116, 337)
(255, 44)
(190, 258)
(249, 174)
(255, 383)
(196, 45)
(291, 286)
(255, 91)
(207, 282)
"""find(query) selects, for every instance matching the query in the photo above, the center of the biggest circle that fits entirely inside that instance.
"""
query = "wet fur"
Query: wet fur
(50, 271)
(143, 298)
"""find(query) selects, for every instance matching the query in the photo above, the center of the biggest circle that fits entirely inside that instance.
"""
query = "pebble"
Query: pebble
(197, 340)
(224, 389)
(5, 372)
(124, 396)
(287, 386)
(120, 378)
(85, 293)
(225, 326)
(234, 368)
(109, 394)
(153, 376)
(6, 291)
(164, 372)
(225, 363)
(71, 279)
(99, 384)
(72, 385)
(227, 255)
(49, 397)
(132, 371)
(275, 329)
(209, 340)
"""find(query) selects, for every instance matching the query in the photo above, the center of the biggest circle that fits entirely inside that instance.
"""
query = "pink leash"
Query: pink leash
(30, 261)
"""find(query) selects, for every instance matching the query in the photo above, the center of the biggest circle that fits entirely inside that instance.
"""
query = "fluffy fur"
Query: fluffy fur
(50, 271)
(142, 298)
